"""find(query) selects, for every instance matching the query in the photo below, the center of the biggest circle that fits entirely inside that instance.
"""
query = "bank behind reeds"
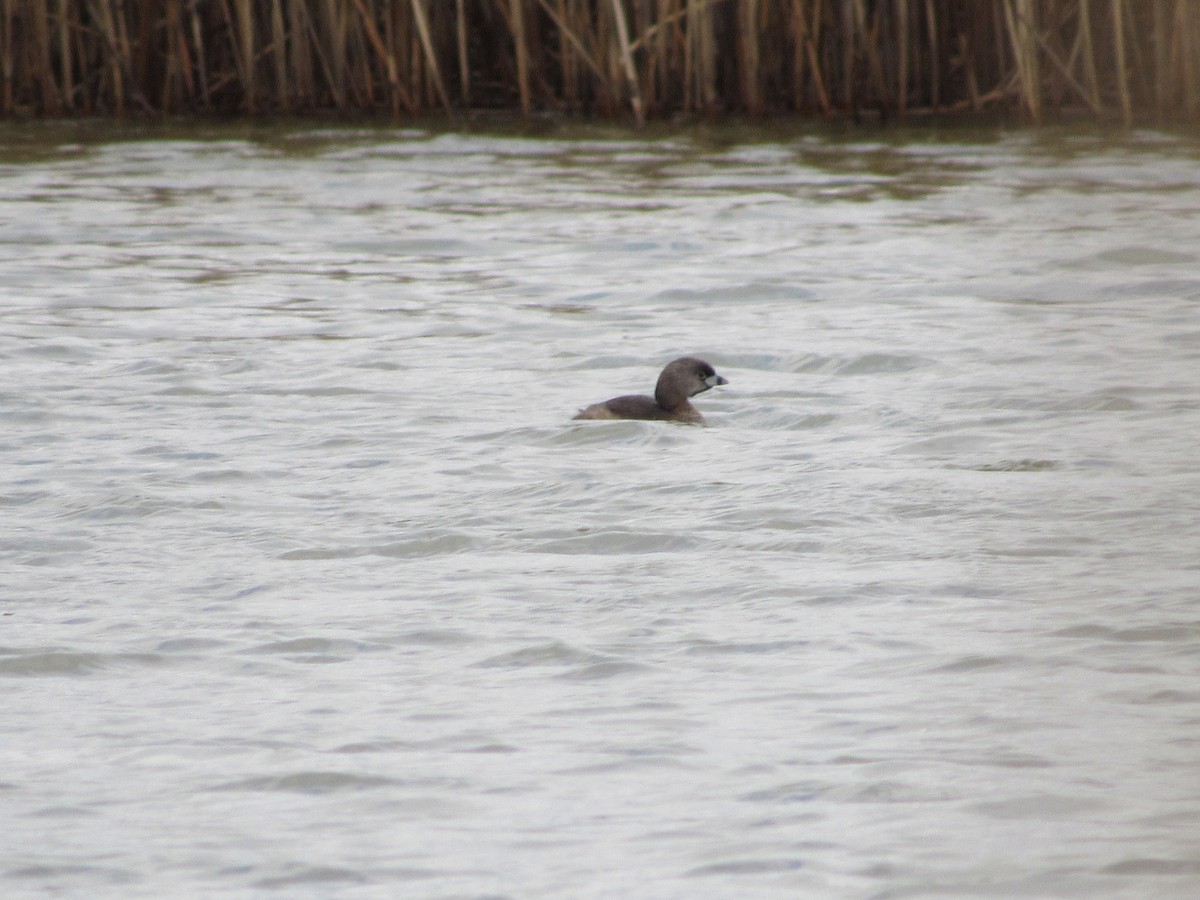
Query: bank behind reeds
(637, 58)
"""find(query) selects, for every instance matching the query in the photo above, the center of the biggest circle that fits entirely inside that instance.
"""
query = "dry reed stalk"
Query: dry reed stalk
(405, 53)
(568, 64)
(279, 56)
(424, 90)
(999, 39)
(610, 96)
(708, 36)
(394, 41)
(689, 59)
(813, 40)
(430, 57)
(365, 59)
(172, 60)
(1187, 26)
(673, 18)
(300, 54)
(964, 52)
(976, 59)
(658, 42)
(1118, 14)
(640, 19)
(64, 55)
(245, 17)
(408, 51)
(707, 56)
(849, 32)
(6, 58)
(385, 55)
(798, 30)
(1030, 31)
(570, 37)
(1022, 31)
(579, 26)
(464, 66)
(681, 49)
(652, 68)
(103, 12)
(185, 59)
(661, 39)
(1179, 53)
(517, 22)
(1162, 50)
(1015, 45)
(1066, 68)
(855, 50)
(935, 80)
(136, 84)
(340, 42)
(335, 31)
(1089, 53)
(635, 93)
(231, 27)
(875, 62)
(687, 52)
(146, 74)
(1173, 39)
(1139, 68)
(201, 63)
(41, 52)
(751, 58)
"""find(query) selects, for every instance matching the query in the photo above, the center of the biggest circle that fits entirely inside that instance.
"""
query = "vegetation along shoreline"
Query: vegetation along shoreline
(1111, 60)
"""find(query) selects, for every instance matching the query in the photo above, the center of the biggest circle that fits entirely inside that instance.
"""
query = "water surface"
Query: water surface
(311, 586)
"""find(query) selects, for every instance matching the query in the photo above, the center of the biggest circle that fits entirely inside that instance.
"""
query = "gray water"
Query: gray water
(310, 587)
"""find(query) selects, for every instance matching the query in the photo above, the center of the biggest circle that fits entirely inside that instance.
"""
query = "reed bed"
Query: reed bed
(1124, 59)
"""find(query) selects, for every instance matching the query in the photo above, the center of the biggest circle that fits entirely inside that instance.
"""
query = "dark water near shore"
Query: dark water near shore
(311, 587)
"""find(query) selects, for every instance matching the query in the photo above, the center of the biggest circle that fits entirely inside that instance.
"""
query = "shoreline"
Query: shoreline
(670, 61)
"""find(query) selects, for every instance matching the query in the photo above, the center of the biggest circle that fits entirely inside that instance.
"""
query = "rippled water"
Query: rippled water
(311, 586)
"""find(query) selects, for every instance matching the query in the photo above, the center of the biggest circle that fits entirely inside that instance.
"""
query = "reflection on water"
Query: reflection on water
(311, 581)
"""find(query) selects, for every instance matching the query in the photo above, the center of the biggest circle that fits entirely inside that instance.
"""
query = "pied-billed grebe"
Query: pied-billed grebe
(685, 377)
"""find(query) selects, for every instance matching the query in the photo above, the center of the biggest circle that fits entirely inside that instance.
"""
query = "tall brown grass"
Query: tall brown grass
(1121, 59)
